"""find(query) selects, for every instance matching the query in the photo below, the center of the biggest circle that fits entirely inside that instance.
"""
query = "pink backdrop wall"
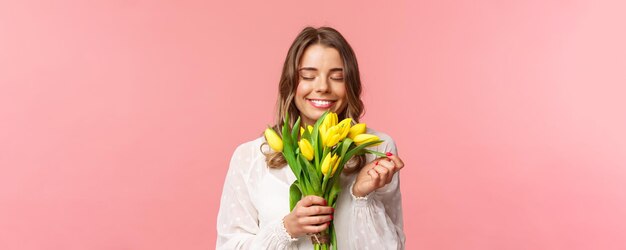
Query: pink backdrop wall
(117, 118)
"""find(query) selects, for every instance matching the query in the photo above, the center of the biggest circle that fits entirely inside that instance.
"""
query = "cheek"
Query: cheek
(302, 90)
(342, 94)
(340, 91)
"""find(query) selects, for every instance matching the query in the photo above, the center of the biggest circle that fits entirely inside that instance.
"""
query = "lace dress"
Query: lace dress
(255, 199)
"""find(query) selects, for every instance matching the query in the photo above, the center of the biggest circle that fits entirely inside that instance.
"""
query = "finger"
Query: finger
(315, 220)
(374, 175)
(388, 164)
(315, 228)
(399, 163)
(383, 173)
(372, 164)
(391, 167)
(311, 200)
(377, 160)
(316, 210)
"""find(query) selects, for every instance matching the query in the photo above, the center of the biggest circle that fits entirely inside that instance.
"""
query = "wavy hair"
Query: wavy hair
(328, 37)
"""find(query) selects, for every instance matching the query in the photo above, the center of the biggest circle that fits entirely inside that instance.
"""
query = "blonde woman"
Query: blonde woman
(320, 73)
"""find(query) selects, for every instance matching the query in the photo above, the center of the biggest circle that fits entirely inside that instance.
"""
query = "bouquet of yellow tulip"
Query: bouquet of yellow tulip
(317, 155)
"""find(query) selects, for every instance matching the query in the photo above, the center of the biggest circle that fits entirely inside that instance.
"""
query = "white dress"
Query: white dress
(255, 199)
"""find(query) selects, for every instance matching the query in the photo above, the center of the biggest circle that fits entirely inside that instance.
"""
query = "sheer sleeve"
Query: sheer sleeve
(237, 219)
(376, 221)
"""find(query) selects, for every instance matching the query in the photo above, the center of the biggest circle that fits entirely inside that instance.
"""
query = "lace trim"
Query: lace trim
(283, 234)
(364, 198)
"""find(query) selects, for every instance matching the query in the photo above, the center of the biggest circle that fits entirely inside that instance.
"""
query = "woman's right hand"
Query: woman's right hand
(310, 215)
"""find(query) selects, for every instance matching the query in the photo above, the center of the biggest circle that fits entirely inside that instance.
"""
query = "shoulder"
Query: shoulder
(249, 148)
(252, 145)
(246, 157)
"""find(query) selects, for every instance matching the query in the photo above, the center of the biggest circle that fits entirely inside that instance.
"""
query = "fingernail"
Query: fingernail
(325, 203)
(332, 209)
(376, 163)
(389, 154)
(331, 216)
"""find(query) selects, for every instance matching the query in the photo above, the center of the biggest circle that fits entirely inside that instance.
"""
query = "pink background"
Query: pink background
(118, 118)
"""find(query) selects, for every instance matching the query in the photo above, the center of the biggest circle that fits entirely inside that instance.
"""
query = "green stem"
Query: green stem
(333, 235)
(375, 153)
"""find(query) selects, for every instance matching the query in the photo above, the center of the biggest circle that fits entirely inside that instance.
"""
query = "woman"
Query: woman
(320, 73)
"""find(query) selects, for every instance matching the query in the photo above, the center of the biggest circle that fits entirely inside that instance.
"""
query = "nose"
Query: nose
(322, 85)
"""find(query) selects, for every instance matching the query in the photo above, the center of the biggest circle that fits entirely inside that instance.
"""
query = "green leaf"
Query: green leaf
(334, 192)
(295, 194)
(295, 130)
(360, 147)
(289, 148)
(316, 140)
(367, 151)
(345, 145)
(307, 134)
(306, 186)
(312, 174)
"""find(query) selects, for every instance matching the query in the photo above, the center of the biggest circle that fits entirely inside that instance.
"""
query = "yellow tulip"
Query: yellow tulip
(301, 131)
(334, 134)
(330, 120)
(364, 138)
(330, 137)
(274, 140)
(333, 140)
(306, 149)
(335, 166)
(357, 130)
(323, 131)
(326, 163)
(329, 162)
(344, 128)
(326, 125)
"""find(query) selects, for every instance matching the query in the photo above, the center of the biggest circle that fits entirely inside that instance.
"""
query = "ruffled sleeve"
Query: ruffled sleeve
(237, 219)
(376, 220)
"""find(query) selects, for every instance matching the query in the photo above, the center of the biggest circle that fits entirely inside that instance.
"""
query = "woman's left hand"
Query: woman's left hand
(376, 174)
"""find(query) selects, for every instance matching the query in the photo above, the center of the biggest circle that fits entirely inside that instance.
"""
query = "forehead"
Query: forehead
(321, 57)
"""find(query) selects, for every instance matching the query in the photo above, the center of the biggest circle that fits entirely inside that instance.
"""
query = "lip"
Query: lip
(319, 105)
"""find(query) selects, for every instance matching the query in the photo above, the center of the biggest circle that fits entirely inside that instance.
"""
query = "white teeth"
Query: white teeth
(320, 102)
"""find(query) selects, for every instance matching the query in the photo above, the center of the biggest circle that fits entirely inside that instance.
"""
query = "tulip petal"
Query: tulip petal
(357, 130)
(274, 140)
(363, 138)
(306, 149)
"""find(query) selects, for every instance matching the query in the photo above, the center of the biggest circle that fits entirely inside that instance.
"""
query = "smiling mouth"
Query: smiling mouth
(323, 104)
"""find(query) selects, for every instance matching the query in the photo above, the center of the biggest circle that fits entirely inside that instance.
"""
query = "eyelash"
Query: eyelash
(311, 78)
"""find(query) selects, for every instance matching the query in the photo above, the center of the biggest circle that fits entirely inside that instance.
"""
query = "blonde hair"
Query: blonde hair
(288, 84)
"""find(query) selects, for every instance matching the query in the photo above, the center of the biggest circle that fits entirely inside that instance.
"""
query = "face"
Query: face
(321, 84)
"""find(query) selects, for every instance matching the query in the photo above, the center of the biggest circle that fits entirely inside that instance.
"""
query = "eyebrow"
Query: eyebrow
(314, 69)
